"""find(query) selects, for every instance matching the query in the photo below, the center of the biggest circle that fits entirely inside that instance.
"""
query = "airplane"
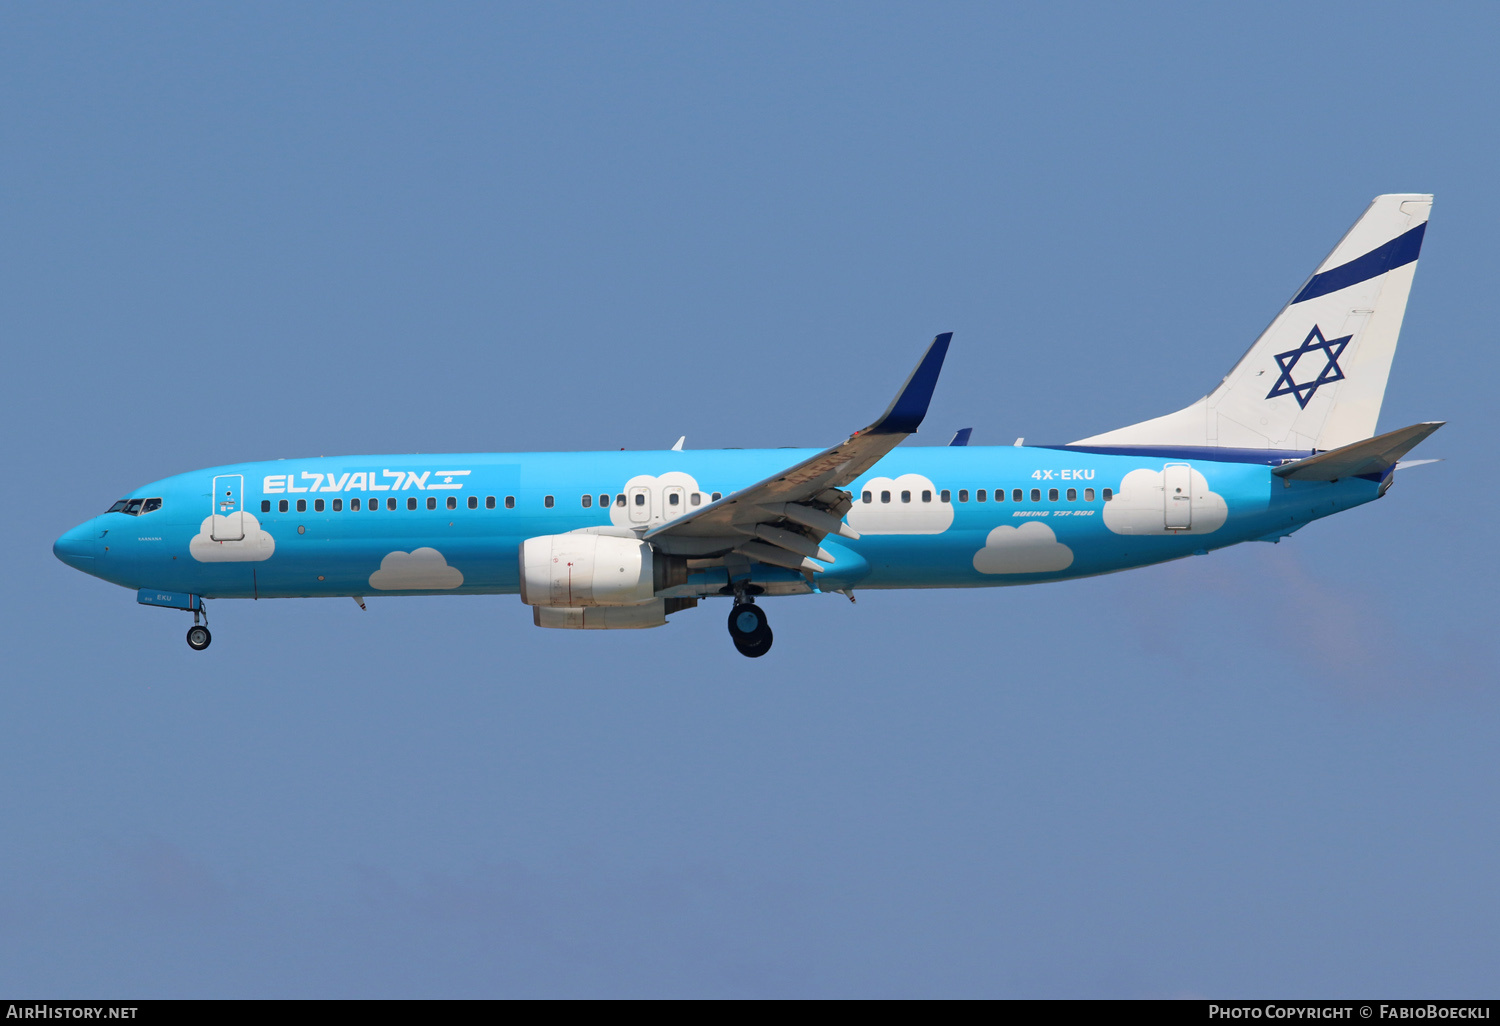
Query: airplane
(623, 540)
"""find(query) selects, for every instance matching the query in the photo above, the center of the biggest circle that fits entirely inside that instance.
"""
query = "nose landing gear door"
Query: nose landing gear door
(229, 514)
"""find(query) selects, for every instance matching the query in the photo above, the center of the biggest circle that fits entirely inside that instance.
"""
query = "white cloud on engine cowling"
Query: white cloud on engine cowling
(1139, 506)
(1031, 548)
(422, 569)
(897, 517)
(657, 510)
(256, 545)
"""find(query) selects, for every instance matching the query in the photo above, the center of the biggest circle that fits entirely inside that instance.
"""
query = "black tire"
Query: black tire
(198, 638)
(756, 648)
(747, 624)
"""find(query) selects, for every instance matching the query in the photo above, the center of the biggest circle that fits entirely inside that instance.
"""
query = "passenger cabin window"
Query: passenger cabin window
(1088, 495)
(620, 499)
(999, 494)
(281, 505)
(1036, 495)
(547, 501)
(338, 505)
(697, 499)
(588, 502)
(672, 498)
(926, 495)
(473, 502)
(906, 496)
(885, 496)
(489, 502)
(390, 504)
(640, 498)
(317, 505)
(963, 495)
(1108, 494)
(603, 501)
(411, 503)
(301, 505)
(866, 497)
(453, 502)
(943, 496)
(716, 496)
(1072, 494)
(979, 496)
(265, 505)
(354, 504)
(431, 502)
(510, 502)
(1015, 496)
(1051, 494)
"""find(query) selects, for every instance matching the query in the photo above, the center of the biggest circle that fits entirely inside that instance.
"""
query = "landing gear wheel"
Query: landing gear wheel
(198, 638)
(749, 630)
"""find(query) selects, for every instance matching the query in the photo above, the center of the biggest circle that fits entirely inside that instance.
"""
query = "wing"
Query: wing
(781, 520)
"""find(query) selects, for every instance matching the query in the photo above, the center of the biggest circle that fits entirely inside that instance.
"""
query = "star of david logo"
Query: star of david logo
(1331, 372)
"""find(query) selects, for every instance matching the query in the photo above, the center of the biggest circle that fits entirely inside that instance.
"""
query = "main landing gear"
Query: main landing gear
(748, 628)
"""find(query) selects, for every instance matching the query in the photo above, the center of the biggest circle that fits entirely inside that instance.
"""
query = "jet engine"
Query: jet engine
(599, 582)
(577, 570)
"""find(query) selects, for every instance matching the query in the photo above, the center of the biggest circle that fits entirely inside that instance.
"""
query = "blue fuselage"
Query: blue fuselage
(928, 517)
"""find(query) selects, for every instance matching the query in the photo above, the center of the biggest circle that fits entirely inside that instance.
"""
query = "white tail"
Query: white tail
(1316, 377)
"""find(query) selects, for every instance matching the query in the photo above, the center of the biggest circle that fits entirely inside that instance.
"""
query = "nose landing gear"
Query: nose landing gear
(749, 630)
(198, 637)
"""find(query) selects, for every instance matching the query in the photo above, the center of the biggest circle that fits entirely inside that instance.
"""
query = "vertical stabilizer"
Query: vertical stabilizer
(1316, 377)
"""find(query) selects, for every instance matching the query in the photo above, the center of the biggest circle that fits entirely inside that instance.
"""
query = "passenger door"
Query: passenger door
(229, 514)
(1177, 479)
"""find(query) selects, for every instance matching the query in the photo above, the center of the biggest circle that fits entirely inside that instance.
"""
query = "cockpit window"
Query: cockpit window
(150, 506)
(133, 507)
(118, 507)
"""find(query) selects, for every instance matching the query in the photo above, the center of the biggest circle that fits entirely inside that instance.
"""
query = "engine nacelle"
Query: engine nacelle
(575, 571)
(603, 618)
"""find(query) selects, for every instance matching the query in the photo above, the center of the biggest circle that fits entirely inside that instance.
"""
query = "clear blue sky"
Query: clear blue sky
(234, 232)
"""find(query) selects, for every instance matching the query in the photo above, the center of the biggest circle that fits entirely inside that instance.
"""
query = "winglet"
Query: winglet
(961, 436)
(907, 410)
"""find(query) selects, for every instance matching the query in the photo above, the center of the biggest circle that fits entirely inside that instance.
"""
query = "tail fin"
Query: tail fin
(1316, 377)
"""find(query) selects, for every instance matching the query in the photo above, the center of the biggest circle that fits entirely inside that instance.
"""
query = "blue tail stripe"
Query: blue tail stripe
(1400, 251)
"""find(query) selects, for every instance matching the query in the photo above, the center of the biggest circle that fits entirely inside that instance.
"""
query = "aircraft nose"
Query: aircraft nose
(76, 547)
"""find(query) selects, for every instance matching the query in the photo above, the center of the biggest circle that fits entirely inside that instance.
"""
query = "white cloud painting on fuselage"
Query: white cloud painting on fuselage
(256, 545)
(421, 569)
(1139, 505)
(896, 507)
(1031, 548)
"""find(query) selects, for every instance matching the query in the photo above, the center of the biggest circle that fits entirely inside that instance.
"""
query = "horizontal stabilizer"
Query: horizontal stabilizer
(1371, 456)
